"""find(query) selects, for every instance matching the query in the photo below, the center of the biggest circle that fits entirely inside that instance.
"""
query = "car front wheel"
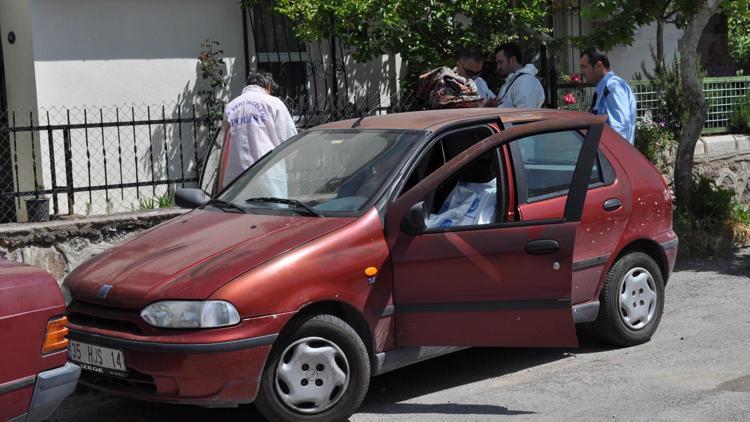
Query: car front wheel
(632, 301)
(318, 373)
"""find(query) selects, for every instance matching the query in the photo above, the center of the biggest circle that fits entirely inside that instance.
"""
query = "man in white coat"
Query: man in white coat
(255, 123)
(521, 88)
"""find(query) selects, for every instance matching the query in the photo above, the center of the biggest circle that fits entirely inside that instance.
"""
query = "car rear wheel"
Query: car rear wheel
(632, 301)
(318, 373)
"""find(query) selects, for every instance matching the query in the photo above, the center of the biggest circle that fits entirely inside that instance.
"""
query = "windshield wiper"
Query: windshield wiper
(294, 202)
(226, 206)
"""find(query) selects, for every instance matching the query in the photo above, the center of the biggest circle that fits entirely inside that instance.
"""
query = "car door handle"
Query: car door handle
(612, 204)
(542, 247)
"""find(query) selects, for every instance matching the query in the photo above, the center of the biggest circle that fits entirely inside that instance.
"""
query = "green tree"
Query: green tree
(691, 15)
(738, 13)
(426, 32)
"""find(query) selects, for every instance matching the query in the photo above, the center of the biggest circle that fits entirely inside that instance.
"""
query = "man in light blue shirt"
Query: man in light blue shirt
(613, 95)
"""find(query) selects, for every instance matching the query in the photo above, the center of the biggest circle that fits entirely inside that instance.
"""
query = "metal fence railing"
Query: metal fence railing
(97, 161)
(81, 162)
(308, 112)
(722, 96)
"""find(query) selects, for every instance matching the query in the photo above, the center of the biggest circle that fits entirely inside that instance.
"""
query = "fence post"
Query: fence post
(52, 168)
(69, 170)
(7, 203)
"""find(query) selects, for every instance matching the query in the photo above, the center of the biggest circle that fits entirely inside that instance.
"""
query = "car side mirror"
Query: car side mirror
(190, 198)
(413, 222)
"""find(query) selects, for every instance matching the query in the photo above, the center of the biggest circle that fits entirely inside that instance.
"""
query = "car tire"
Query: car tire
(632, 301)
(310, 362)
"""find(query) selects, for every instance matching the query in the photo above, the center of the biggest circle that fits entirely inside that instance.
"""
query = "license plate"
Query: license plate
(97, 358)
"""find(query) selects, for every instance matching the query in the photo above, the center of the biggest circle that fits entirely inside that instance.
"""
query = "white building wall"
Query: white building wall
(373, 83)
(626, 60)
(108, 58)
(101, 60)
(106, 52)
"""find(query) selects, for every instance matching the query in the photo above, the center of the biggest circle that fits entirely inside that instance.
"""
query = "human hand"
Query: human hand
(491, 102)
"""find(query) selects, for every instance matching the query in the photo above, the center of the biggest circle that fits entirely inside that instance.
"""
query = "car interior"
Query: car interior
(484, 171)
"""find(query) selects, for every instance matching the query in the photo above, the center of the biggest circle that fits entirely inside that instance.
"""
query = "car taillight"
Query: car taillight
(54, 339)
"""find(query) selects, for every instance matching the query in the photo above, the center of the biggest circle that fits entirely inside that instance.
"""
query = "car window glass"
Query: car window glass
(548, 161)
(443, 150)
(469, 198)
(331, 171)
(432, 160)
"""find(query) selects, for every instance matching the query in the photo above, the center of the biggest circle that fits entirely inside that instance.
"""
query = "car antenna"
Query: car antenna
(358, 121)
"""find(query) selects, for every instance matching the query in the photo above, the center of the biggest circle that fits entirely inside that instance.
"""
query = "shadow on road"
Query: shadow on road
(385, 396)
(736, 264)
(465, 367)
(452, 409)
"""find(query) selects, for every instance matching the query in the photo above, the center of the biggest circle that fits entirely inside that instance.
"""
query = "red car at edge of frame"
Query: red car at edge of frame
(35, 375)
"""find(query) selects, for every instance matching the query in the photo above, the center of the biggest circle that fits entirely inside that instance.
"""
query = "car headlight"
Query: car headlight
(66, 294)
(190, 314)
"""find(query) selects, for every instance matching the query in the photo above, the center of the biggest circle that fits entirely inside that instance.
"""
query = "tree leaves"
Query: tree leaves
(738, 12)
(424, 31)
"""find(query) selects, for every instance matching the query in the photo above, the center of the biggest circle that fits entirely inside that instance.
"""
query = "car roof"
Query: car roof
(433, 120)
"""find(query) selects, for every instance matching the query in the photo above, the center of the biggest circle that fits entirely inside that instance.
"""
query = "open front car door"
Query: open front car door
(465, 277)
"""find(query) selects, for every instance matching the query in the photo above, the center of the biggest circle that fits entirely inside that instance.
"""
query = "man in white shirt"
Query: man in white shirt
(522, 88)
(255, 123)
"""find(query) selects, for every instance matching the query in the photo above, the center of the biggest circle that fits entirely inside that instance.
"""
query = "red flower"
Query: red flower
(569, 98)
(575, 77)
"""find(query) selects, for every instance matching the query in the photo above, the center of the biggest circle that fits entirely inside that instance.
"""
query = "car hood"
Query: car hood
(191, 256)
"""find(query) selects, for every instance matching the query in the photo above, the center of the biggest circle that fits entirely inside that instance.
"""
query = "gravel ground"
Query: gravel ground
(697, 368)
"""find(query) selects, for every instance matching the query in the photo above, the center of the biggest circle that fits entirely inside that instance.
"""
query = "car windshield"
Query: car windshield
(323, 172)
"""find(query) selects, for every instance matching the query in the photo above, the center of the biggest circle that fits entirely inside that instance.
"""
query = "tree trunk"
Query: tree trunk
(660, 43)
(688, 45)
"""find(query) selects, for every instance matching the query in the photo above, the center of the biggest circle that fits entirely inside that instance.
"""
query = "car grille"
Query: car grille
(90, 315)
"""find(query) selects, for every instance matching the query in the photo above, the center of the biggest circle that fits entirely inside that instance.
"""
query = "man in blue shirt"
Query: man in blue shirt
(613, 95)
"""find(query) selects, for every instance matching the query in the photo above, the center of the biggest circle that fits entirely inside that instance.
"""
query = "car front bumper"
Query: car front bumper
(214, 374)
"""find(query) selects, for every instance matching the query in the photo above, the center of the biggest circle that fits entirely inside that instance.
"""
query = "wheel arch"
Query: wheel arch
(650, 248)
(341, 310)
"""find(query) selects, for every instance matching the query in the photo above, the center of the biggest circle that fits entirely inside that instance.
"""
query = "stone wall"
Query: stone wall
(60, 246)
(726, 159)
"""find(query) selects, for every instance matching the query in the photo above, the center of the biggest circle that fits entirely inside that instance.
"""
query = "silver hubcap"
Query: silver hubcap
(637, 298)
(312, 375)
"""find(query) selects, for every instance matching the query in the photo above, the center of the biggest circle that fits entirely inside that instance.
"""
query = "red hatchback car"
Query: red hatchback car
(361, 246)
(35, 375)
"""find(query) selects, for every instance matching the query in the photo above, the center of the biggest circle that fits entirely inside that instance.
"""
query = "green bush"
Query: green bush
(655, 141)
(712, 204)
(717, 222)
(739, 121)
(666, 82)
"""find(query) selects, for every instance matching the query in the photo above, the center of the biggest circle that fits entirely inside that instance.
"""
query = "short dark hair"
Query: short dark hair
(475, 54)
(260, 78)
(595, 55)
(510, 49)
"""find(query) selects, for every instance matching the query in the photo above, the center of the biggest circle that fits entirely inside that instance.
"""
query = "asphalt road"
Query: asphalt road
(697, 368)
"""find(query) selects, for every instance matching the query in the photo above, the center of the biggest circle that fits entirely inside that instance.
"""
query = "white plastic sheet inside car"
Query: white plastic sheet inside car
(468, 204)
